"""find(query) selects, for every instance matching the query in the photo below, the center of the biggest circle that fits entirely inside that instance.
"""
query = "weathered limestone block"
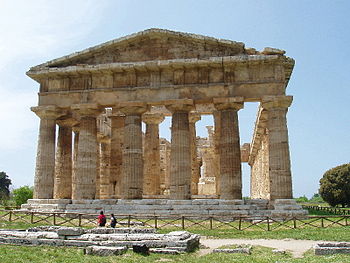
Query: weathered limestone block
(70, 231)
(332, 248)
(242, 250)
(105, 251)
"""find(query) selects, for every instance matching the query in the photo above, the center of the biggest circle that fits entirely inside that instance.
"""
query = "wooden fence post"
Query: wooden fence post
(79, 220)
(183, 222)
(211, 223)
(268, 224)
(155, 222)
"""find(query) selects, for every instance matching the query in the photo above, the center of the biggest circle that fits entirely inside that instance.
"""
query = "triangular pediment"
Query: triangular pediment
(151, 44)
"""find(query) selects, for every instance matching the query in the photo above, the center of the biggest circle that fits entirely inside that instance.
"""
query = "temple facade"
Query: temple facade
(92, 104)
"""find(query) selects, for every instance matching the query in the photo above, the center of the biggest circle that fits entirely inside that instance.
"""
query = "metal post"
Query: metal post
(294, 223)
(156, 222)
(268, 224)
(129, 219)
(10, 216)
(183, 222)
(79, 218)
(54, 219)
(240, 224)
(32, 217)
(211, 223)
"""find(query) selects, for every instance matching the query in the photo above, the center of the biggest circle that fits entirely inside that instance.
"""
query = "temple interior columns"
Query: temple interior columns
(63, 165)
(116, 155)
(195, 172)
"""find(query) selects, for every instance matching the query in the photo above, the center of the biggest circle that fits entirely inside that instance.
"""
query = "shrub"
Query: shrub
(22, 194)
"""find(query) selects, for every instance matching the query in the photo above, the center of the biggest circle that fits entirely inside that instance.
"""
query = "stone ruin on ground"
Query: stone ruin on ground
(103, 241)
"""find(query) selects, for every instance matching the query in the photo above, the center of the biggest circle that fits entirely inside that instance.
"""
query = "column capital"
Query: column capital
(67, 122)
(235, 103)
(184, 105)
(270, 102)
(152, 118)
(48, 111)
(87, 109)
(131, 108)
(194, 117)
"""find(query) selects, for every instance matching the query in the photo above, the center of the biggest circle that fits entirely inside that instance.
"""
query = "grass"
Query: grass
(16, 254)
(329, 234)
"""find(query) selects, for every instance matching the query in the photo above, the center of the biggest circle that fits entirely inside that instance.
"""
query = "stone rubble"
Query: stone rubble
(332, 248)
(180, 241)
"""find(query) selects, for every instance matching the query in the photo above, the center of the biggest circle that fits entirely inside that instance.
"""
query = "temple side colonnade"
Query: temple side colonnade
(99, 97)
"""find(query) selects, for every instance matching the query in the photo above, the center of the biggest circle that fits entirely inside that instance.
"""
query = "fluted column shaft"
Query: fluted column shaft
(117, 139)
(278, 146)
(75, 156)
(84, 181)
(63, 169)
(195, 172)
(132, 166)
(229, 149)
(180, 156)
(151, 179)
(217, 120)
(105, 184)
(45, 160)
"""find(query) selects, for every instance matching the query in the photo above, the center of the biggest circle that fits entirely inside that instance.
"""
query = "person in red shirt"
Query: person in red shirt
(101, 220)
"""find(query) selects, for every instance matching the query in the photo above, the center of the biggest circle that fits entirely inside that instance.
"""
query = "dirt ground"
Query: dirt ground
(296, 247)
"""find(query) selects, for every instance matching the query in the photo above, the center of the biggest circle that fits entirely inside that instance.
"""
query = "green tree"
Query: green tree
(335, 186)
(22, 194)
(316, 198)
(5, 183)
(302, 199)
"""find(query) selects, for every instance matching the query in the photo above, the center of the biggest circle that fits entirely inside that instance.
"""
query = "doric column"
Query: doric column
(63, 166)
(229, 148)
(195, 173)
(45, 159)
(180, 156)
(132, 166)
(105, 184)
(216, 115)
(75, 130)
(117, 139)
(278, 146)
(84, 181)
(151, 177)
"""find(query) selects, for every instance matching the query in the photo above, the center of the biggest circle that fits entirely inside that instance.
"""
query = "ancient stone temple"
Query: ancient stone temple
(92, 153)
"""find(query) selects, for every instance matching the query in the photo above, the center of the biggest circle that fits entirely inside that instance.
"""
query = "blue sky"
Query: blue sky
(315, 33)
